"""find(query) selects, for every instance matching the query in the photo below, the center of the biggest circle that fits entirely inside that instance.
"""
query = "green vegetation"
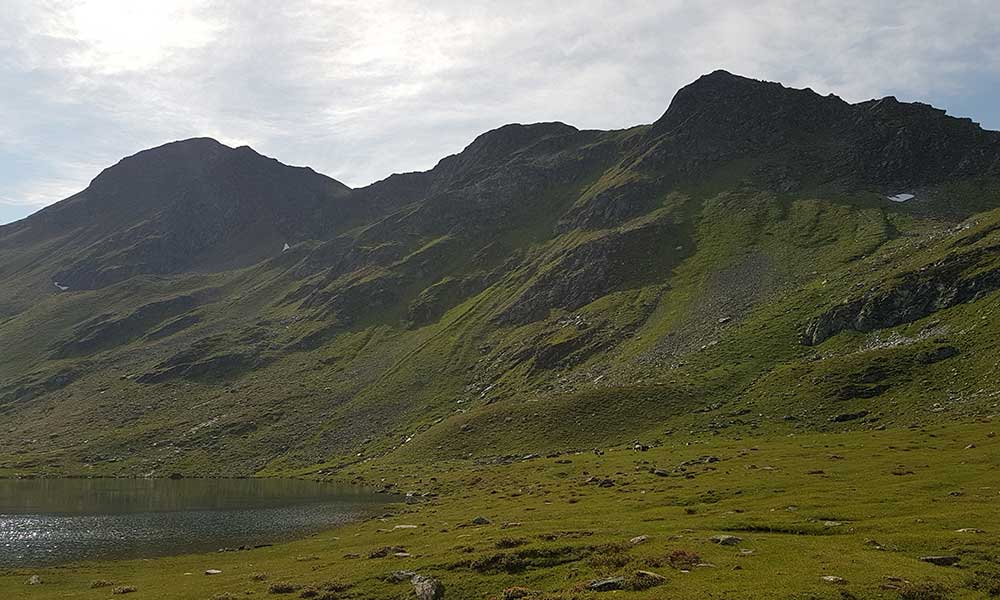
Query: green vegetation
(863, 506)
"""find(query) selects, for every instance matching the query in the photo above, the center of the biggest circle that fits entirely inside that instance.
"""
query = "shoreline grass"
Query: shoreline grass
(862, 506)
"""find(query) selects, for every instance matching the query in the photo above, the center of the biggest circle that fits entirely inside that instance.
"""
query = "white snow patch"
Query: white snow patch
(286, 247)
(902, 197)
(62, 288)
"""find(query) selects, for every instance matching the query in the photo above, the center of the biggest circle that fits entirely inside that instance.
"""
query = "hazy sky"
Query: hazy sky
(362, 89)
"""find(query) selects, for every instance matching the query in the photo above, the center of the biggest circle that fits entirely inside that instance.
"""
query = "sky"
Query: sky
(359, 90)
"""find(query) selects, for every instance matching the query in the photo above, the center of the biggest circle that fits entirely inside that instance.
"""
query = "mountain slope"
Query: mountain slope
(187, 206)
(758, 259)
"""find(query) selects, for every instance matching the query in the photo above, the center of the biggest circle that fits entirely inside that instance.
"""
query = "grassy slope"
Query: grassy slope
(637, 361)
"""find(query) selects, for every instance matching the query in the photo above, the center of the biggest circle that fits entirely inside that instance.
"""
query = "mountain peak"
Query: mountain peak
(168, 160)
(189, 204)
(725, 100)
(886, 143)
(514, 136)
(497, 145)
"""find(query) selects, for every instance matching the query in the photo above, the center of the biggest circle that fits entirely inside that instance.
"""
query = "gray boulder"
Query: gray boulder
(725, 540)
(427, 588)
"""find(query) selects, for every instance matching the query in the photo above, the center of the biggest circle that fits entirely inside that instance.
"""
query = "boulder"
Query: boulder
(649, 578)
(427, 588)
(400, 576)
(725, 540)
(609, 584)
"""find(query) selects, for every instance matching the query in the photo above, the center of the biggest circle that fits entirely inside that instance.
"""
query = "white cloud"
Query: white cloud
(361, 89)
(130, 35)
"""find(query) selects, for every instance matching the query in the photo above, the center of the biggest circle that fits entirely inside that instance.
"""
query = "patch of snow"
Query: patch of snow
(62, 288)
(901, 197)
(286, 247)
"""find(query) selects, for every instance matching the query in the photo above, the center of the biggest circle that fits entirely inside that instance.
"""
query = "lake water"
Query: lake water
(49, 521)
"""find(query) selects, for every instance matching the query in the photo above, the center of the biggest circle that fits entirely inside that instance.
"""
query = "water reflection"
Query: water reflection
(47, 521)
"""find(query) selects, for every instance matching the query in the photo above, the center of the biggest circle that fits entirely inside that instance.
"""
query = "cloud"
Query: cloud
(361, 89)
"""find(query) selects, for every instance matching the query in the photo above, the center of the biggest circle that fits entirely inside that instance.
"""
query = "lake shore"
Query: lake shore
(816, 515)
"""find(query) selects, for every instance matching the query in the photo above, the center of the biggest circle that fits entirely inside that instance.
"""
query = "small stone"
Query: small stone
(402, 555)
(638, 540)
(34, 580)
(427, 588)
(123, 589)
(404, 527)
(970, 446)
(649, 578)
(213, 572)
(725, 540)
(941, 561)
(833, 579)
(609, 584)
(400, 576)
(969, 530)
(481, 521)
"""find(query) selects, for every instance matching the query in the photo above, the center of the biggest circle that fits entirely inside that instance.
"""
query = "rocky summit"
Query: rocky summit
(759, 259)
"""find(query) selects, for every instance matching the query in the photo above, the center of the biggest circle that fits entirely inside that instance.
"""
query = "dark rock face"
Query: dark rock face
(106, 330)
(212, 367)
(938, 354)
(913, 297)
(192, 205)
(579, 275)
(611, 207)
(855, 391)
(885, 143)
(436, 299)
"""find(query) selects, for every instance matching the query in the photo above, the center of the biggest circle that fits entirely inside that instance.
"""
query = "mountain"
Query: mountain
(759, 259)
